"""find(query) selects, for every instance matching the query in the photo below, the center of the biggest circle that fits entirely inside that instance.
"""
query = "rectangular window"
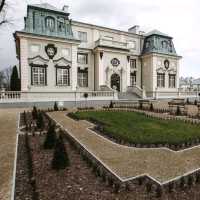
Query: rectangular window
(131, 44)
(63, 77)
(160, 80)
(82, 36)
(82, 58)
(38, 76)
(172, 81)
(82, 78)
(133, 78)
(133, 63)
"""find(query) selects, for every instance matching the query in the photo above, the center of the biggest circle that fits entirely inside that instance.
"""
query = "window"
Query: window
(82, 58)
(60, 24)
(133, 63)
(132, 44)
(172, 81)
(160, 80)
(82, 36)
(62, 76)
(50, 23)
(38, 75)
(83, 77)
(133, 78)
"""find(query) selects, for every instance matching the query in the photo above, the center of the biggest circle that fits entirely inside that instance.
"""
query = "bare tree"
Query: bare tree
(7, 74)
(2, 77)
(4, 9)
(2, 4)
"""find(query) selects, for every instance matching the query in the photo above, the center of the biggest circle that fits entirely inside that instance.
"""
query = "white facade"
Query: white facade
(96, 58)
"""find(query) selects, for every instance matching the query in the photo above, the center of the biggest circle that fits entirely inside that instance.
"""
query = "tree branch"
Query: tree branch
(2, 4)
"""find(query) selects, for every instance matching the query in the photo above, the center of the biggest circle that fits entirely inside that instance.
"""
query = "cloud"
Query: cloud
(177, 18)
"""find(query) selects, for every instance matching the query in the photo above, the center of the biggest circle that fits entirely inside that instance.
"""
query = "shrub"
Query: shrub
(34, 113)
(55, 106)
(60, 157)
(178, 110)
(151, 107)
(111, 104)
(40, 121)
(50, 140)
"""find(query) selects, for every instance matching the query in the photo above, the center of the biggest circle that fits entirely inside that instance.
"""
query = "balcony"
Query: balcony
(111, 43)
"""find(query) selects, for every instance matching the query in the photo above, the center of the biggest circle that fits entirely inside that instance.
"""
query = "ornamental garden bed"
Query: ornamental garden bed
(35, 179)
(135, 129)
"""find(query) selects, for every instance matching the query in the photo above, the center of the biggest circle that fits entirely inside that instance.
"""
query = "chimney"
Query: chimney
(66, 8)
(134, 29)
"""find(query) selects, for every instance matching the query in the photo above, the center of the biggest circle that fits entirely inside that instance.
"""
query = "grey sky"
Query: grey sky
(178, 18)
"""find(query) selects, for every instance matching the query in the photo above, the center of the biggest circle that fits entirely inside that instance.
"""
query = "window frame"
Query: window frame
(51, 28)
(44, 67)
(82, 39)
(67, 68)
(135, 63)
(86, 60)
(174, 81)
(82, 79)
(160, 81)
(133, 78)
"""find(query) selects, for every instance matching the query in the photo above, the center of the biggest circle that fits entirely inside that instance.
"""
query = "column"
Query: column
(74, 67)
(128, 71)
(24, 64)
(101, 69)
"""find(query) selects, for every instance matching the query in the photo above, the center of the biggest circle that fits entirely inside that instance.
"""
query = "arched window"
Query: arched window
(50, 23)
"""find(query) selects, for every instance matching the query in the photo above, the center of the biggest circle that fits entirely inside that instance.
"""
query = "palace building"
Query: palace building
(57, 54)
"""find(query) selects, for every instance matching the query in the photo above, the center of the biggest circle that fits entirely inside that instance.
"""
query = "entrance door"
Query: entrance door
(115, 82)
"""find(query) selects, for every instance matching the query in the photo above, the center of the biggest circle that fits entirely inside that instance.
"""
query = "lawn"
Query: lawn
(136, 128)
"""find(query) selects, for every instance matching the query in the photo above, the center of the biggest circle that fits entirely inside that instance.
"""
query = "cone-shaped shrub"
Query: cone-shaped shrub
(55, 106)
(111, 105)
(50, 139)
(178, 110)
(60, 157)
(34, 113)
(151, 107)
(40, 121)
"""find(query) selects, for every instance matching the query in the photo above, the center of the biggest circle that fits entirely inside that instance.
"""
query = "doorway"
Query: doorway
(115, 82)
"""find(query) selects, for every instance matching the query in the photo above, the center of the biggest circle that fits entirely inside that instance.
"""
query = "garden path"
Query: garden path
(162, 165)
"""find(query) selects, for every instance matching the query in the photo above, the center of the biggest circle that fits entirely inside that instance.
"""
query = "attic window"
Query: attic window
(50, 23)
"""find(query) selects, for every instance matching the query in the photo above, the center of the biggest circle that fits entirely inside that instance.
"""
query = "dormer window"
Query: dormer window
(60, 24)
(50, 23)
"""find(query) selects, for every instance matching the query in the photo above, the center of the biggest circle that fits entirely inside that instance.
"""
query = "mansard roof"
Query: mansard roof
(158, 42)
(47, 6)
(156, 32)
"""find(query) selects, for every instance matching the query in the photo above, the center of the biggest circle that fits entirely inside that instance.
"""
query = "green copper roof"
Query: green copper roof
(45, 19)
(158, 42)
(156, 32)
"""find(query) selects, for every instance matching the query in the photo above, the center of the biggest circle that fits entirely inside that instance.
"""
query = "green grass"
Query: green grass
(137, 128)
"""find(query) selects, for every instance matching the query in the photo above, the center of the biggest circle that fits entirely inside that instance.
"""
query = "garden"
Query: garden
(136, 128)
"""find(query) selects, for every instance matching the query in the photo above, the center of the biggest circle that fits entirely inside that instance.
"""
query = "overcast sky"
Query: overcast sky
(177, 18)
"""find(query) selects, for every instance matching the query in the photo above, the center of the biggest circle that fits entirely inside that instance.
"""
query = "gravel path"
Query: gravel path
(161, 164)
(8, 127)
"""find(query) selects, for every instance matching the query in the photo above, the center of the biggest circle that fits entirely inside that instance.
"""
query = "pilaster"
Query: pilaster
(24, 64)
(74, 68)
